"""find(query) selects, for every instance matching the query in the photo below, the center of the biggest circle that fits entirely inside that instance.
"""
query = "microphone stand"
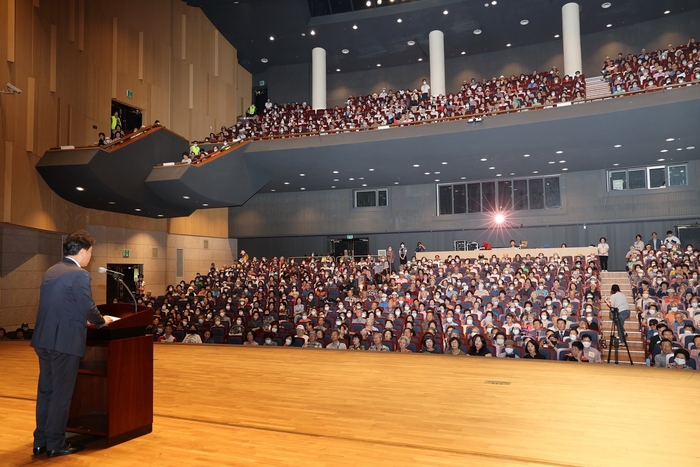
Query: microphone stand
(118, 277)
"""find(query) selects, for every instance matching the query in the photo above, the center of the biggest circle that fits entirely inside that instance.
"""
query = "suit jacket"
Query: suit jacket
(65, 305)
(655, 244)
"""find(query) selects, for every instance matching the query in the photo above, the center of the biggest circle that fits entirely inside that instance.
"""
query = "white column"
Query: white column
(437, 63)
(318, 78)
(571, 38)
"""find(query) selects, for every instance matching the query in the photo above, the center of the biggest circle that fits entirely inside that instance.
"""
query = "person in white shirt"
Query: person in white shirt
(603, 249)
(671, 239)
(268, 105)
(424, 89)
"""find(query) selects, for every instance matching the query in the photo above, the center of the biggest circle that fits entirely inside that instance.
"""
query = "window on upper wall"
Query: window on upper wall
(372, 198)
(651, 178)
(498, 196)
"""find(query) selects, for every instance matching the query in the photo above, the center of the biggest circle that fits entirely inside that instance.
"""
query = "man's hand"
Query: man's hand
(107, 319)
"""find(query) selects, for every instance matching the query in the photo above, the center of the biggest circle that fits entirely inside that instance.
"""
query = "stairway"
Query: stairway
(634, 335)
(597, 88)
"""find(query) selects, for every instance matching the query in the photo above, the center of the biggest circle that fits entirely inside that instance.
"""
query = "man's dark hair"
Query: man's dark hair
(79, 240)
(669, 232)
(667, 329)
(578, 345)
(614, 289)
(665, 340)
(653, 322)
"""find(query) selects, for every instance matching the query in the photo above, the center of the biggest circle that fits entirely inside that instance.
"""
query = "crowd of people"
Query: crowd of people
(648, 70)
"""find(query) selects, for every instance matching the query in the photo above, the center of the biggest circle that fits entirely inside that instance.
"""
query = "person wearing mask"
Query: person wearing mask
(590, 352)
(403, 254)
(192, 336)
(576, 354)
(618, 300)
(680, 359)
(390, 258)
(508, 350)
(168, 334)
(603, 251)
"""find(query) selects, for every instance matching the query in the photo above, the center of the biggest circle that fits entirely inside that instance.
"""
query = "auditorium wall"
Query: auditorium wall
(295, 224)
(657, 34)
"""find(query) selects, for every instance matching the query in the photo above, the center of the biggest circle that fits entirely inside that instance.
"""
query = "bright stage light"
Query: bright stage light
(499, 219)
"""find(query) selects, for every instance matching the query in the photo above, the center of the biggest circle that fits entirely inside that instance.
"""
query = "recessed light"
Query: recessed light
(273, 190)
(361, 178)
(337, 69)
(483, 159)
(354, 26)
(160, 215)
(615, 165)
(526, 155)
(303, 34)
(437, 179)
(264, 60)
(560, 152)
(499, 175)
(369, 3)
(552, 162)
(272, 38)
(690, 147)
(207, 204)
(302, 175)
(345, 51)
(667, 12)
(332, 186)
(679, 149)
(396, 183)
(477, 31)
(494, 2)
(512, 173)
(564, 169)
(79, 188)
(561, 162)
(416, 165)
(336, 179)
(312, 32)
(137, 210)
(437, 173)
(535, 171)
(608, 25)
(670, 139)
(664, 150)
(507, 45)
(302, 188)
(556, 36)
(335, 171)
(286, 183)
(185, 197)
(524, 22)
(486, 5)
(111, 202)
(618, 146)
(606, 5)
(464, 178)
(660, 160)
(463, 52)
(427, 173)
(420, 59)
(399, 20)
(364, 184)
(444, 163)
(445, 12)
(351, 178)
(379, 2)
(492, 168)
(379, 64)
(411, 42)
(371, 170)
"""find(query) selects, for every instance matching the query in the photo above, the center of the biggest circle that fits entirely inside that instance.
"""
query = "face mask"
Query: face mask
(589, 310)
(222, 313)
(586, 344)
(201, 320)
(208, 315)
(694, 305)
(449, 319)
(572, 336)
(274, 329)
(589, 319)
(527, 308)
(516, 332)
(240, 313)
(217, 322)
(268, 341)
(500, 341)
(470, 321)
(548, 302)
(474, 333)
(239, 322)
(288, 342)
(228, 308)
(543, 316)
(680, 361)
(674, 308)
(509, 350)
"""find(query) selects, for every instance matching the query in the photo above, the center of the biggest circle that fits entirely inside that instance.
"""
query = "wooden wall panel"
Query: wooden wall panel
(206, 222)
(11, 28)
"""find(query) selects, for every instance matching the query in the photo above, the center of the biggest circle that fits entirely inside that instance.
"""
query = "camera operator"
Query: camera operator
(618, 300)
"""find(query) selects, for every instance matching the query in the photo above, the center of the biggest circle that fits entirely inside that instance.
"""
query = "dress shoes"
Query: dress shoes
(66, 450)
(39, 451)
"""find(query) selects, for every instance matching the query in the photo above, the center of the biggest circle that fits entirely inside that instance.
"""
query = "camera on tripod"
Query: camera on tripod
(615, 313)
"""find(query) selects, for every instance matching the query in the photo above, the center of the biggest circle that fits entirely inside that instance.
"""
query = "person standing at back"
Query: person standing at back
(403, 254)
(424, 91)
(603, 249)
(390, 258)
(65, 305)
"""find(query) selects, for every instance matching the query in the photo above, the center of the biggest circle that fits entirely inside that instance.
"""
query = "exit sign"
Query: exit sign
(262, 82)
(349, 236)
(129, 93)
(125, 253)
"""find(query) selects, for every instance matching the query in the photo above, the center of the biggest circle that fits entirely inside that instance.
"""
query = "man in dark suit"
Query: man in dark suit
(65, 305)
(655, 241)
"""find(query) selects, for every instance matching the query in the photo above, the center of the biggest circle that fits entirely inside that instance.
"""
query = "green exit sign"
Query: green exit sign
(262, 82)
(129, 93)
(125, 253)
(349, 236)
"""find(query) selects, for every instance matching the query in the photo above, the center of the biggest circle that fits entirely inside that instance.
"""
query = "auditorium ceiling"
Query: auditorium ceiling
(283, 32)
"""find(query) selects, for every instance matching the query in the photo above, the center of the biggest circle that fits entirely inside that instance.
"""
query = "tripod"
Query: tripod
(615, 340)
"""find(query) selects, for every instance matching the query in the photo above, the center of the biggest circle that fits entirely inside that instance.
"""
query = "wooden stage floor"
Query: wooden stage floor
(224, 405)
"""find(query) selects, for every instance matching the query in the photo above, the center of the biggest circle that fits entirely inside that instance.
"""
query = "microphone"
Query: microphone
(102, 270)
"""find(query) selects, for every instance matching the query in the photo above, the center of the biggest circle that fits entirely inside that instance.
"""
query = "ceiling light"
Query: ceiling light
(561, 162)
(379, 2)
(354, 26)
(670, 139)
(364, 184)
(564, 169)
(369, 3)
(379, 64)
(302, 175)
(303, 34)
(302, 188)
(351, 179)
(608, 25)
(552, 162)
(112, 202)
(420, 59)
(335, 171)
(483, 159)
(679, 149)
(690, 147)
(524, 22)
(416, 165)
(396, 183)
(444, 163)
(272, 38)
(664, 150)
(667, 12)
(207, 204)
(507, 45)
(535, 171)
(560, 152)
(427, 173)
(526, 155)
(361, 178)
(492, 168)
(464, 178)
(312, 32)
(437, 173)
(137, 210)
(556, 36)
(270, 190)
(494, 2)
(660, 160)
(336, 179)
(345, 51)
(411, 42)
(463, 52)
(615, 165)
(512, 173)
(371, 170)
(332, 186)
(499, 175)
(606, 5)
(445, 12)
(477, 31)
(399, 20)
(437, 179)
(160, 215)
(264, 60)
(185, 197)
(486, 5)
(79, 188)
(337, 69)
(618, 146)
(286, 183)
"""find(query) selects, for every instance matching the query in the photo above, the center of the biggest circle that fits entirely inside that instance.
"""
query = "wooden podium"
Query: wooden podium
(113, 396)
